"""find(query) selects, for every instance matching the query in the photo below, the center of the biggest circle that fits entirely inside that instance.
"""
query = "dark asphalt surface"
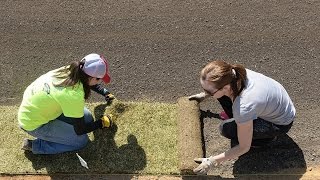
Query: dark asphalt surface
(157, 48)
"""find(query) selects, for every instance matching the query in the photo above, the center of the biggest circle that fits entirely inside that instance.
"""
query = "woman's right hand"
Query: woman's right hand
(198, 97)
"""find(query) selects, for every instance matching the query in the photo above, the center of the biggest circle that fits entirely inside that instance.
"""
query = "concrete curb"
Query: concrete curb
(189, 135)
(312, 173)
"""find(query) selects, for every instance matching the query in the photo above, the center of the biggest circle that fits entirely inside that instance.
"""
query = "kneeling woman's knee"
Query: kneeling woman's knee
(87, 116)
(228, 129)
(81, 141)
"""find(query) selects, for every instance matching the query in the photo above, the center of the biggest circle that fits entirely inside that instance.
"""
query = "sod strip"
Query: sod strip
(189, 135)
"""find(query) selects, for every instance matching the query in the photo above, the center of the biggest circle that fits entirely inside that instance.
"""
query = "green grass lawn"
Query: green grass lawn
(143, 141)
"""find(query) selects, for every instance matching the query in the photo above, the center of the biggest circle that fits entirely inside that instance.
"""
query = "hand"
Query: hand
(109, 97)
(198, 97)
(107, 121)
(205, 165)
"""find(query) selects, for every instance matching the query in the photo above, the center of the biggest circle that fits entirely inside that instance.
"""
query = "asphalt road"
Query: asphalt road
(157, 48)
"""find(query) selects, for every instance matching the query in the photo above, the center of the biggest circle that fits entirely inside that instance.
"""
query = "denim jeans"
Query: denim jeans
(262, 129)
(57, 136)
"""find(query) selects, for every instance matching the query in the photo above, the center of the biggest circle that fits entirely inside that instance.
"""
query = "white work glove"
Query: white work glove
(205, 165)
(198, 97)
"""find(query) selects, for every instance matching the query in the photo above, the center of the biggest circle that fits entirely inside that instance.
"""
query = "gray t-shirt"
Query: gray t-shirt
(265, 98)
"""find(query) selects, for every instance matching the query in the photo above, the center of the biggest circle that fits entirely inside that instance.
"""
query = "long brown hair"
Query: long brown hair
(222, 73)
(72, 74)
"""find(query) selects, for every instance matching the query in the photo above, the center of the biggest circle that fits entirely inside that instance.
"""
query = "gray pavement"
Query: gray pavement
(157, 48)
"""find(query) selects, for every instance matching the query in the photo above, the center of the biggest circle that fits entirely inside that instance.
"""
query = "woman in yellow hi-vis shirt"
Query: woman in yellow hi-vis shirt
(53, 106)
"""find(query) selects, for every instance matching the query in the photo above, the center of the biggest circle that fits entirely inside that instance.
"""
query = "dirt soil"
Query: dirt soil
(157, 48)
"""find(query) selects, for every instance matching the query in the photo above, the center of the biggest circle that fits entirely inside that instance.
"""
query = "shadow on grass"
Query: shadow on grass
(281, 157)
(102, 155)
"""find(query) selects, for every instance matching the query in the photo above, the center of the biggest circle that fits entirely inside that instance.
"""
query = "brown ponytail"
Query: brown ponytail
(72, 74)
(239, 80)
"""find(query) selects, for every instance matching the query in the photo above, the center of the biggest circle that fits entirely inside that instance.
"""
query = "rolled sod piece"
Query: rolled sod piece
(189, 134)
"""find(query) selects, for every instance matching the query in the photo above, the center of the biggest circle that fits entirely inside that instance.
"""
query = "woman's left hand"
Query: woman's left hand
(205, 165)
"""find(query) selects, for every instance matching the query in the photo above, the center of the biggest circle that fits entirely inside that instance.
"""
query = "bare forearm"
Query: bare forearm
(232, 153)
(244, 137)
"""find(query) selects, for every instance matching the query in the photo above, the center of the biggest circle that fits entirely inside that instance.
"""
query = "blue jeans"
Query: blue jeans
(57, 136)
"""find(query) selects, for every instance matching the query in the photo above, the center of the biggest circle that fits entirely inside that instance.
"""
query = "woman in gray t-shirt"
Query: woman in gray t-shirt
(256, 108)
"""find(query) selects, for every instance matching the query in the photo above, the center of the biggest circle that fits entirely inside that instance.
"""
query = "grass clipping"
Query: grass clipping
(143, 140)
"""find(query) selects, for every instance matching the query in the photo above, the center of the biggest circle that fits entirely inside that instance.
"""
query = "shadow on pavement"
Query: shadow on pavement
(102, 155)
(208, 114)
(283, 156)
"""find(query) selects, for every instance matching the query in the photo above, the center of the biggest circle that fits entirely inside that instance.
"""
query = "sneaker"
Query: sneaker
(26, 145)
(223, 115)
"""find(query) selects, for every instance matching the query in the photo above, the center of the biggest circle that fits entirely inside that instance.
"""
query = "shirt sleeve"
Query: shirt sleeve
(100, 89)
(244, 112)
